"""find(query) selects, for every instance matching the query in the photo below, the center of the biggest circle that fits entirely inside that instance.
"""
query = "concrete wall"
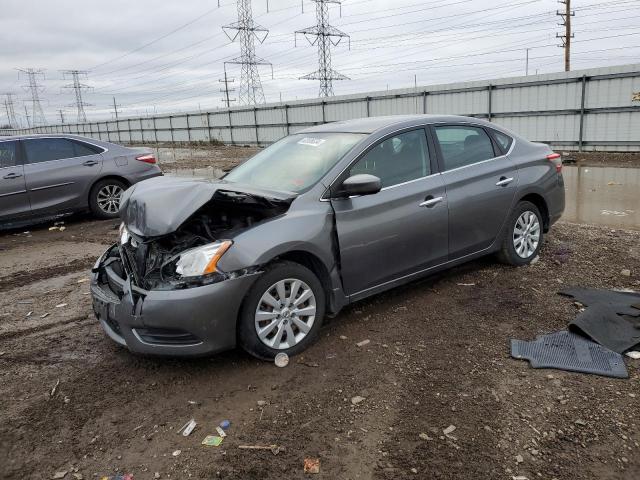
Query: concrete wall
(580, 110)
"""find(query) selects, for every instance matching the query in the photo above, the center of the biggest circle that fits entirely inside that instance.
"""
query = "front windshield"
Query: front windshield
(296, 162)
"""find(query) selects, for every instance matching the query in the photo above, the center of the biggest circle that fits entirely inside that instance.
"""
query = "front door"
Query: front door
(400, 230)
(480, 182)
(59, 172)
(14, 202)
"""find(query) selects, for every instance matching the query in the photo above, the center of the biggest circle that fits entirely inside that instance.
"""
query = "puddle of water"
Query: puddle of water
(607, 196)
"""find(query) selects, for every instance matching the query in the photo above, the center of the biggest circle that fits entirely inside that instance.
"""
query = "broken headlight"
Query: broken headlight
(200, 261)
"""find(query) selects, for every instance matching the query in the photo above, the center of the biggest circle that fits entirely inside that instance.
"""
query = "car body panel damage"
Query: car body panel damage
(161, 205)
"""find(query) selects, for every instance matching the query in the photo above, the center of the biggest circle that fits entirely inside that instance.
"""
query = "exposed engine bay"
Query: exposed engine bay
(153, 263)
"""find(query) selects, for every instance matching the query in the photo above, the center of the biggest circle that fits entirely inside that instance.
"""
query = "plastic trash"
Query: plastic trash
(282, 360)
(225, 424)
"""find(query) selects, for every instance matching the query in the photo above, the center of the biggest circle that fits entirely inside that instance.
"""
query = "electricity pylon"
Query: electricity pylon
(37, 114)
(77, 89)
(250, 92)
(566, 38)
(11, 113)
(325, 36)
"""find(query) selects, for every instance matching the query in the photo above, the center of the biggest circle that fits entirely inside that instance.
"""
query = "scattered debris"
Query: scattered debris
(466, 284)
(61, 474)
(193, 402)
(221, 432)
(343, 337)
(187, 428)
(176, 453)
(580, 422)
(357, 399)
(55, 388)
(635, 355)
(29, 314)
(519, 458)
(78, 476)
(82, 280)
(225, 424)
(281, 360)
(311, 465)
(363, 343)
(61, 305)
(561, 350)
(424, 436)
(625, 272)
(449, 430)
(275, 449)
(261, 403)
(212, 441)
(44, 315)
(125, 476)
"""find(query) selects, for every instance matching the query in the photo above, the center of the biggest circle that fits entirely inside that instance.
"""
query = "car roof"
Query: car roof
(48, 135)
(373, 124)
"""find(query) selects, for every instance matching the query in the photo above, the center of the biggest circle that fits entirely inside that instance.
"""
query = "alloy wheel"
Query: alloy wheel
(109, 198)
(526, 234)
(285, 314)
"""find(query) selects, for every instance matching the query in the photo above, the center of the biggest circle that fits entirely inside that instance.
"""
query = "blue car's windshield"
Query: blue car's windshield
(296, 162)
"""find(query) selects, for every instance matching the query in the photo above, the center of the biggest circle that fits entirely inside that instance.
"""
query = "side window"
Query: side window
(8, 154)
(462, 145)
(82, 149)
(398, 159)
(503, 140)
(46, 149)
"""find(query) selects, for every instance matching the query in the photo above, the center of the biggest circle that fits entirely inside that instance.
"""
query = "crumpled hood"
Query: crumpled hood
(159, 206)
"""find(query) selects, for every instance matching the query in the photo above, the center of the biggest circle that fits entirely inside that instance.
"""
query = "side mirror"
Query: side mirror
(361, 184)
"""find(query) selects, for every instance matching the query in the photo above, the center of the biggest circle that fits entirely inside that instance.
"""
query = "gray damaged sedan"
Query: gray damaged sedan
(320, 219)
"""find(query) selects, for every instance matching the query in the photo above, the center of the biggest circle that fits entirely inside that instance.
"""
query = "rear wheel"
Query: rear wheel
(523, 236)
(104, 198)
(283, 311)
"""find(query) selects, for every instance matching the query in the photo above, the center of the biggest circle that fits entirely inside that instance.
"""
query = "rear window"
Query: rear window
(7, 154)
(83, 149)
(504, 141)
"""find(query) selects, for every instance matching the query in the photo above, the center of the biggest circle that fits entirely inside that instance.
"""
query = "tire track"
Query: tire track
(26, 277)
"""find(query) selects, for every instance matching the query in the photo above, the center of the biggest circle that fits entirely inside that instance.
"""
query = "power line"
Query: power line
(35, 89)
(325, 36)
(566, 38)
(248, 31)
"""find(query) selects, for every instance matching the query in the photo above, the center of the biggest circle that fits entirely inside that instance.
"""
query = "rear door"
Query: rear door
(14, 201)
(400, 230)
(59, 172)
(480, 180)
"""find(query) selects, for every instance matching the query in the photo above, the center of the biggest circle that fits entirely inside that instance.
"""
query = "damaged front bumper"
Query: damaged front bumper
(187, 322)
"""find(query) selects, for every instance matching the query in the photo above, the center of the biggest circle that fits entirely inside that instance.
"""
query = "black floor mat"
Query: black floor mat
(567, 351)
(601, 323)
(622, 303)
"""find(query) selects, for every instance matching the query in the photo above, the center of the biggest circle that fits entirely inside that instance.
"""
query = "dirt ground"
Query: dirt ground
(438, 356)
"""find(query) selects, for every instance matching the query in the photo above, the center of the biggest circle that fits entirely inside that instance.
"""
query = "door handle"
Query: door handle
(90, 163)
(504, 181)
(431, 201)
(12, 176)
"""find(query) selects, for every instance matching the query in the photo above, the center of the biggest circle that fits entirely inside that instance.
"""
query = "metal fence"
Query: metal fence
(582, 110)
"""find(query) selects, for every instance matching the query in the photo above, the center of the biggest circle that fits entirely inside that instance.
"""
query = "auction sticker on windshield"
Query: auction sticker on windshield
(312, 142)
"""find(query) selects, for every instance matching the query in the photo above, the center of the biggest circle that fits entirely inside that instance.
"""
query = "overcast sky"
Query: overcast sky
(168, 56)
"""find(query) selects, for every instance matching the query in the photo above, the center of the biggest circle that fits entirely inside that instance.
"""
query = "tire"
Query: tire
(103, 195)
(524, 214)
(281, 319)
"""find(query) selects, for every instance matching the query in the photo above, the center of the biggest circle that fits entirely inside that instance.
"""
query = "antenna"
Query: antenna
(248, 31)
(325, 36)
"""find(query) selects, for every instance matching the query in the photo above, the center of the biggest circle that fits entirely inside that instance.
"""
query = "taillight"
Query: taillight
(557, 160)
(148, 158)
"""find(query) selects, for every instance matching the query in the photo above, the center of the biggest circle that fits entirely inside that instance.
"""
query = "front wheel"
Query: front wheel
(523, 236)
(283, 311)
